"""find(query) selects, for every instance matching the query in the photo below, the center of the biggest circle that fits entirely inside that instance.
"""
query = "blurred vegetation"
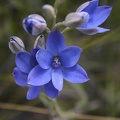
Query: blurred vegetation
(98, 99)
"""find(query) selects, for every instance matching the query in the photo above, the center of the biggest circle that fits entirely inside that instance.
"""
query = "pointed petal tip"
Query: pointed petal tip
(81, 7)
(55, 31)
(50, 90)
(107, 7)
(29, 98)
(33, 92)
(53, 96)
(55, 42)
(102, 30)
(87, 79)
(75, 74)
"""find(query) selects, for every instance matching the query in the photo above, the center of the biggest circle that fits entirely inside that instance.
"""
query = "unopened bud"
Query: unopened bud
(59, 1)
(57, 4)
(34, 24)
(48, 11)
(85, 17)
(39, 42)
(73, 20)
(16, 45)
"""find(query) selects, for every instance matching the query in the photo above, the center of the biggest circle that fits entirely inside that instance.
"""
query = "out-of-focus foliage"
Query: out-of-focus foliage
(100, 57)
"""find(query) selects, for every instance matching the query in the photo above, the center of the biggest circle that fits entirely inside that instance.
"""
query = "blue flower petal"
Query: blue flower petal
(93, 30)
(44, 58)
(102, 30)
(50, 90)
(26, 26)
(57, 79)
(70, 56)
(101, 15)
(88, 31)
(75, 74)
(81, 7)
(34, 51)
(33, 58)
(55, 42)
(33, 92)
(39, 76)
(91, 8)
(20, 77)
(23, 62)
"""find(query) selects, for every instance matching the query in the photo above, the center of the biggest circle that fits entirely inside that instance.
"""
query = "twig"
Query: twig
(26, 108)
(68, 115)
(71, 115)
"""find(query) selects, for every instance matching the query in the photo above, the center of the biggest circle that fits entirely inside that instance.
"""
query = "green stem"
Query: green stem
(47, 30)
(56, 5)
(52, 105)
(54, 22)
(57, 107)
(66, 29)
(55, 8)
(81, 92)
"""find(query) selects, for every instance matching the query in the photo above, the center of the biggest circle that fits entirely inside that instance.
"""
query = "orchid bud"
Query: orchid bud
(34, 24)
(39, 42)
(73, 20)
(58, 2)
(16, 45)
(85, 17)
(48, 11)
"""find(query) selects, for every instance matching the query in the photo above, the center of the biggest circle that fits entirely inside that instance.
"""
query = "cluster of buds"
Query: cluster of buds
(16, 45)
(35, 24)
(86, 18)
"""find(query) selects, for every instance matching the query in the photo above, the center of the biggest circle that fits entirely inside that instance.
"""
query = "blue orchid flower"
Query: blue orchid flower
(25, 63)
(56, 63)
(93, 16)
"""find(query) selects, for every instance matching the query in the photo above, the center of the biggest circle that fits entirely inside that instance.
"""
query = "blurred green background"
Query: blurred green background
(97, 99)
